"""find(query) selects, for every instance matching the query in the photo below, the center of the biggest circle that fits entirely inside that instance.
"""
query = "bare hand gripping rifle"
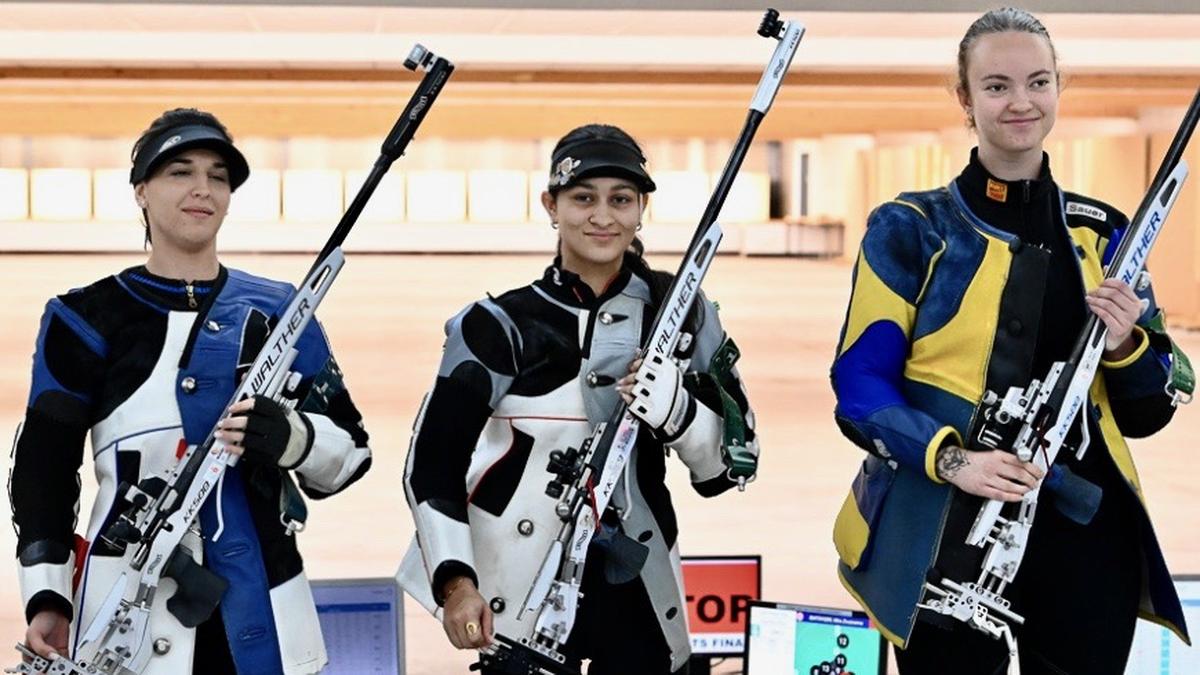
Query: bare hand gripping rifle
(164, 508)
(585, 478)
(1034, 421)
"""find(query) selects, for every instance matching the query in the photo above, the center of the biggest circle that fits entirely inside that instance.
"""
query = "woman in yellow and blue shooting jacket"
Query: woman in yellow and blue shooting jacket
(980, 286)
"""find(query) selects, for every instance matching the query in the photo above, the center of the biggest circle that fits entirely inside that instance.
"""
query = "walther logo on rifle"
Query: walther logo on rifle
(281, 345)
(782, 65)
(1143, 247)
(678, 312)
(416, 111)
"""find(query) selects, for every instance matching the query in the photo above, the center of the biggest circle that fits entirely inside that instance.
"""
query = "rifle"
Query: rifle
(1034, 421)
(587, 477)
(163, 509)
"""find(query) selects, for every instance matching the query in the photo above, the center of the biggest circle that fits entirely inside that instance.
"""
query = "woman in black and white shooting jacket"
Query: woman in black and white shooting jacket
(534, 370)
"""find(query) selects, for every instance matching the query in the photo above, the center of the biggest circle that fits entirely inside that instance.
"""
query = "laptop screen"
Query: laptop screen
(783, 639)
(362, 621)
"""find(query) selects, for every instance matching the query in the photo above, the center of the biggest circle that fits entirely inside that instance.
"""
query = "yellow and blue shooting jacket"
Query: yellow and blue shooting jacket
(935, 320)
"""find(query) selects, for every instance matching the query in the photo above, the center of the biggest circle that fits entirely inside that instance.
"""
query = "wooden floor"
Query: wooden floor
(384, 317)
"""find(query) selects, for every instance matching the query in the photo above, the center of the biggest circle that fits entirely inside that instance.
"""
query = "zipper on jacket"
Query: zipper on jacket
(1027, 224)
(589, 331)
(191, 293)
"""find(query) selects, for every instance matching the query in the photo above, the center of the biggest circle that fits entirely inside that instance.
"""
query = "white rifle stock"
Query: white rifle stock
(152, 529)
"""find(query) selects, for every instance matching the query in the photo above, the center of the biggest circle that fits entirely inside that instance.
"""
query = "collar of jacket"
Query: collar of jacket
(569, 288)
(1007, 204)
(169, 294)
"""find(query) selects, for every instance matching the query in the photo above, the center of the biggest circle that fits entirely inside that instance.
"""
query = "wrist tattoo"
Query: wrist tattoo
(950, 460)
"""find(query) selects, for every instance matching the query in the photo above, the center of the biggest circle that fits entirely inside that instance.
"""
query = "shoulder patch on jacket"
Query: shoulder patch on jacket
(1079, 208)
(1095, 215)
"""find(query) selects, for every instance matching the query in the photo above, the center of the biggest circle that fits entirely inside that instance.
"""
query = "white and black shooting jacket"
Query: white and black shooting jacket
(529, 372)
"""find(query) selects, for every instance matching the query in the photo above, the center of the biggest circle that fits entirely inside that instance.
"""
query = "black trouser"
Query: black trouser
(212, 655)
(616, 628)
(1078, 589)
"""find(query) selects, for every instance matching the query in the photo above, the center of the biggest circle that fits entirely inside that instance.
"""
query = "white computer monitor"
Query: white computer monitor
(362, 621)
(1156, 650)
(786, 639)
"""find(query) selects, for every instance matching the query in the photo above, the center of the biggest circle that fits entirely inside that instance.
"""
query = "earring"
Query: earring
(638, 228)
(553, 225)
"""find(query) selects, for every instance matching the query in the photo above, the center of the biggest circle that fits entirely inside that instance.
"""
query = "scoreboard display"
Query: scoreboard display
(719, 590)
(783, 639)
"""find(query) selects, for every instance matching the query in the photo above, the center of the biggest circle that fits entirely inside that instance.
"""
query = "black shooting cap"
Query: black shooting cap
(592, 157)
(174, 140)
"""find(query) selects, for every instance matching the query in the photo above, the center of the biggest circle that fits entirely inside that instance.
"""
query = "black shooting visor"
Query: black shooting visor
(599, 157)
(159, 150)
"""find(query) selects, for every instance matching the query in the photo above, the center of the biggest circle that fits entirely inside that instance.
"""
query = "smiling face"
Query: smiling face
(186, 200)
(597, 219)
(1012, 94)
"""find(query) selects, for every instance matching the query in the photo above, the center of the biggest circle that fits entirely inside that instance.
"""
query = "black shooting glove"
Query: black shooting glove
(274, 435)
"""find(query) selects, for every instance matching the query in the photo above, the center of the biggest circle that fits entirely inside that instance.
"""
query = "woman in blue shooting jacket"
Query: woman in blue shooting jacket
(534, 370)
(146, 360)
(981, 286)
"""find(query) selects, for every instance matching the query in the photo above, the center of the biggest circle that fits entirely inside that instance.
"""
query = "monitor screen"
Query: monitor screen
(718, 590)
(362, 621)
(1158, 651)
(783, 639)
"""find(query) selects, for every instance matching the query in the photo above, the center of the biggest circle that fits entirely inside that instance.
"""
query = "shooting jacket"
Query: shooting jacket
(148, 375)
(945, 307)
(533, 371)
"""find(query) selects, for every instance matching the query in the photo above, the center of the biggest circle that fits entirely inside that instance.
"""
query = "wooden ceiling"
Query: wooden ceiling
(533, 104)
(858, 72)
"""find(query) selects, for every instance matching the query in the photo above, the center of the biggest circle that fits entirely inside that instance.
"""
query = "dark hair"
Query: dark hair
(1000, 20)
(176, 117)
